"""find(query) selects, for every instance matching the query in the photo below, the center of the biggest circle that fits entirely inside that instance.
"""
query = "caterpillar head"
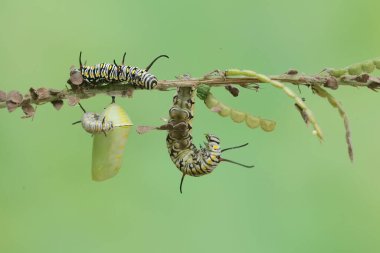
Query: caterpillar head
(76, 77)
(212, 143)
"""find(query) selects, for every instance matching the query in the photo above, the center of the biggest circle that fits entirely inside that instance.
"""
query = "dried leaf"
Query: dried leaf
(76, 78)
(39, 94)
(233, 90)
(331, 83)
(11, 106)
(57, 104)
(33, 93)
(3, 96)
(374, 85)
(43, 93)
(15, 97)
(73, 100)
(54, 92)
(363, 78)
(28, 109)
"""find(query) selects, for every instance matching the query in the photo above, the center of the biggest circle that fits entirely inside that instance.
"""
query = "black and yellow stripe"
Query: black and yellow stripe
(187, 158)
(113, 73)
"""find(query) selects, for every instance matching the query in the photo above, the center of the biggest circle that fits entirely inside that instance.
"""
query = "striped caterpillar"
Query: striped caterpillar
(110, 130)
(113, 73)
(184, 154)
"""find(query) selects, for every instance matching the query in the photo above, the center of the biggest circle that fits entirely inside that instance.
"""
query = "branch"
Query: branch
(355, 75)
(39, 96)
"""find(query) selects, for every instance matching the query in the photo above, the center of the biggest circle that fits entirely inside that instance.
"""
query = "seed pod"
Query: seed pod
(211, 101)
(377, 63)
(237, 116)
(337, 72)
(224, 110)
(368, 66)
(252, 121)
(355, 69)
(267, 125)
(332, 101)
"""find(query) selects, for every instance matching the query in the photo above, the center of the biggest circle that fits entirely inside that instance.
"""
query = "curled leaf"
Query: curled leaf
(57, 104)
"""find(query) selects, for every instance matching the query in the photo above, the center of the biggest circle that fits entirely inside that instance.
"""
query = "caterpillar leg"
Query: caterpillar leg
(180, 185)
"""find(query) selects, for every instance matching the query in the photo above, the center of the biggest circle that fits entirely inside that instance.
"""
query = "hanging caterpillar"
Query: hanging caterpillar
(203, 92)
(110, 130)
(184, 154)
(113, 73)
(356, 69)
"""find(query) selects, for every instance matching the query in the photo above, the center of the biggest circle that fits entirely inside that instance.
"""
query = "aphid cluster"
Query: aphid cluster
(113, 73)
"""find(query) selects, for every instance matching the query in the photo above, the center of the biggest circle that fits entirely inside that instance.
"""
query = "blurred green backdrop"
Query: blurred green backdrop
(302, 196)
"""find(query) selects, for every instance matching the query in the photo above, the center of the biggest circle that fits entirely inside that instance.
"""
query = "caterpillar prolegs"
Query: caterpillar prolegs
(184, 154)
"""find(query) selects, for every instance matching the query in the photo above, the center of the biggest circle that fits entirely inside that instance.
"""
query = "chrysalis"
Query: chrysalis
(108, 148)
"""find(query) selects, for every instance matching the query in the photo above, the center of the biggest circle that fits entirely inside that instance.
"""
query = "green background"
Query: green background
(302, 196)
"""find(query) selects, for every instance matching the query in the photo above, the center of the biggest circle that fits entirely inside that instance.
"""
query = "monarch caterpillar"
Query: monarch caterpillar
(108, 148)
(112, 73)
(187, 158)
